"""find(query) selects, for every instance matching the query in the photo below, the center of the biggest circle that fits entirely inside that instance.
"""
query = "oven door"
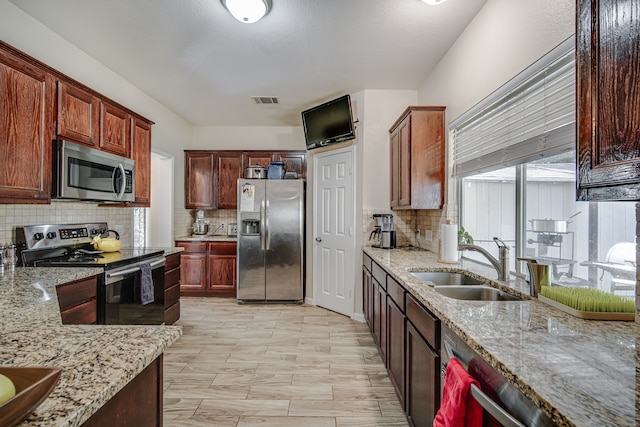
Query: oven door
(120, 297)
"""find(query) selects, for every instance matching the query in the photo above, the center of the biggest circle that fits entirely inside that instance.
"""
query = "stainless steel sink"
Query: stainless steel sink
(444, 278)
(475, 293)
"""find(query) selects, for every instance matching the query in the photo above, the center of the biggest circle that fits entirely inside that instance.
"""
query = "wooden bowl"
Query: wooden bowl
(33, 385)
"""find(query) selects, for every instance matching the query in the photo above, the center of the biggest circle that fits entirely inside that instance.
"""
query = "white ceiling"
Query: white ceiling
(196, 59)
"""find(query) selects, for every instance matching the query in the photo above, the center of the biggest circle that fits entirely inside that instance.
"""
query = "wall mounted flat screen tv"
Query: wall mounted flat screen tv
(328, 123)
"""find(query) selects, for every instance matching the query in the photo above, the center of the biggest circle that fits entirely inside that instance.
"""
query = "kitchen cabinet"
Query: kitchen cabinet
(207, 268)
(211, 177)
(380, 310)
(199, 172)
(115, 133)
(26, 129)
(422, 364)
(396, 331)
(78, 301)
(230, 168)
(608, 100)
(367, 290)
(172, 289)
(78, 117)
(417, 159)
(141, 153)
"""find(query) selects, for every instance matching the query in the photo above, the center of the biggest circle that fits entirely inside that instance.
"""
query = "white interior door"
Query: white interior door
(333, 261)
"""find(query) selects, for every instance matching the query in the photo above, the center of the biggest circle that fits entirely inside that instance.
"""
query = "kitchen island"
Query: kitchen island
(97, 361)
(579, 372)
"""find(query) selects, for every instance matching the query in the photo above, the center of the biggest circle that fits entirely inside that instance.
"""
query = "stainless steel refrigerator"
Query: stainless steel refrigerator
(270, 240)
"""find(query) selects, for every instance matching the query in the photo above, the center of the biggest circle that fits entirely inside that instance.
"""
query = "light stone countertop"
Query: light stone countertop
(97, 360)
(580, 372)
(208, 238)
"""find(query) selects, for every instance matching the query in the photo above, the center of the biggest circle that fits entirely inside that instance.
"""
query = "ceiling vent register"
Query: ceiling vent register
(265, 100)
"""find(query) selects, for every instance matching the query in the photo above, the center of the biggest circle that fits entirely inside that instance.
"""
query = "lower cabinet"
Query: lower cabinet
(78, 301)
(408, 338)
(172, 289)
(207, 268)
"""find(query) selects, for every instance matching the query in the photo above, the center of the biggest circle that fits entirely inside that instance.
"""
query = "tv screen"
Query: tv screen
(328, 123)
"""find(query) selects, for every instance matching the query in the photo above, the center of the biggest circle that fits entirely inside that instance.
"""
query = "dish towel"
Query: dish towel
(146, 284)
(459, 408)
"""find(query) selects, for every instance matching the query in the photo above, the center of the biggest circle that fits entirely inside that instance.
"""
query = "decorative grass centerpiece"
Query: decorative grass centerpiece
(589, 303)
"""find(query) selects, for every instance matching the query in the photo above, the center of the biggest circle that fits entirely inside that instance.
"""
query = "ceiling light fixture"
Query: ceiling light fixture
(433, 2)
(247, 11)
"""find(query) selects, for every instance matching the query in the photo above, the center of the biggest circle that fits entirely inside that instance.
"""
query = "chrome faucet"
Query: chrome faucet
(539, 275)
(501, 265)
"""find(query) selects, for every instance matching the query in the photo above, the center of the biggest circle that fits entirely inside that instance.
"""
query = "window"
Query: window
(515, 155)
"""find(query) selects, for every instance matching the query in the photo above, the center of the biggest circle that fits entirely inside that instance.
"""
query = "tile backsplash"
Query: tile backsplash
(184, 218)
(12, 216)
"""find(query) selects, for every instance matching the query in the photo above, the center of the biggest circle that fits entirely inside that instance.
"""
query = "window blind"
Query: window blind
(531, 116)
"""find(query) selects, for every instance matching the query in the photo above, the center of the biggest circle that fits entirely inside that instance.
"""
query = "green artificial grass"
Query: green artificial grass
(590, 300)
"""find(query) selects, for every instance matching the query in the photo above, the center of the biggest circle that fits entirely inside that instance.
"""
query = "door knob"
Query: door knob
(318, 239)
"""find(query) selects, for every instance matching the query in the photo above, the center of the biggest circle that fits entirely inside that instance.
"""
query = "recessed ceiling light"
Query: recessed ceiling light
(433, 2)
(247, 11)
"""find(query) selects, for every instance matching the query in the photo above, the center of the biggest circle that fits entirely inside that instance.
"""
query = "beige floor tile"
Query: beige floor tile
(372, 422)
(220, 392)
(216, 408)
(183, 408)
(252, 379)
(197, 421)
(333, 408)
(332, 379)
(287, 422)
(220, 367)
(350, 392)
(288, 392)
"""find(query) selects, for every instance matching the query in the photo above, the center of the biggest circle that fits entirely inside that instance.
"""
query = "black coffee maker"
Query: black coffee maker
(383, 232)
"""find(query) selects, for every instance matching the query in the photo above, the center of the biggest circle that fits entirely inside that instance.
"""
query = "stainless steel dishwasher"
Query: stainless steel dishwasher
(503, 404)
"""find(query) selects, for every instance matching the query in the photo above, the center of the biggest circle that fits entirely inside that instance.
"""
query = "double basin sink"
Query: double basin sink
(463, 287)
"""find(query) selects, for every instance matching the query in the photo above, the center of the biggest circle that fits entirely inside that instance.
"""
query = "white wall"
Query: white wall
(247, 138)
(502, 40)
(169, 134)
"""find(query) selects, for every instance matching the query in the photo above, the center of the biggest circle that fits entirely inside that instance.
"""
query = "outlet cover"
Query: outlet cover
(428, 235)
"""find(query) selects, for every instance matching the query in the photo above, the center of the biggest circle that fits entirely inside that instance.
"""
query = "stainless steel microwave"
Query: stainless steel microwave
(84, 173)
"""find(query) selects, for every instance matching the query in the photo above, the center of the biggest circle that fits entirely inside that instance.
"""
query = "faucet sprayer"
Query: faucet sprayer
(501, 264)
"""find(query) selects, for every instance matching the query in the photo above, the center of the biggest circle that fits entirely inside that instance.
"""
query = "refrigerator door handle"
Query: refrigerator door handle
(262, 224)
(266, 222)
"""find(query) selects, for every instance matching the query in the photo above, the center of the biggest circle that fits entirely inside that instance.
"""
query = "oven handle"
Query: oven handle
(133, 269)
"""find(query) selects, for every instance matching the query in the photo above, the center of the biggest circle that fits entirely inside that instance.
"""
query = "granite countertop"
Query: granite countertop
(208, 238)
(97, 360)
(580, 372)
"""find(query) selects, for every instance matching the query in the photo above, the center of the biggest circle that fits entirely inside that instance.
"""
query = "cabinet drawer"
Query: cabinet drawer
(379, 274)
(366, 261)
(222, 248)
(396, 292)
(426, 323)
(82, 314)
(172, 314)
(192, 247)
(74, 293)
(171, 262)
(171, 278)
(171, 295)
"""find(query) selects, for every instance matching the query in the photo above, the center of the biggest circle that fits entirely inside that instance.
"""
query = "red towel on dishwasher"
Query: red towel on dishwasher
(459, 408)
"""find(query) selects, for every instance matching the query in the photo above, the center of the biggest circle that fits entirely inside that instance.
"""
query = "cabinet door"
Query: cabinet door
(366, 296)
(141, 153)
(395, 168)
(396, 333)
(380, 319)
(229, 170)
(199, 179)
(293, 162)
(193, 272)
(115, 134)
(422, 380)
(78, 115)
(222, 275)
(257, 158)
(404, 163)
(26, 131)
(608, 109)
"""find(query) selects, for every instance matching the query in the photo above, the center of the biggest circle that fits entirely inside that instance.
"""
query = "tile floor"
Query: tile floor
(274, 365)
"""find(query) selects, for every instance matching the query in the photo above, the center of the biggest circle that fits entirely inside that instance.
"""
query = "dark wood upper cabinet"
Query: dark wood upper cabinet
(293, 162)
(26, 130)
(141, 153)
(417, 159)
(257, 159)
(200, 179)
(229, 170)
(78, 115)
(115, 132)
(608, 95)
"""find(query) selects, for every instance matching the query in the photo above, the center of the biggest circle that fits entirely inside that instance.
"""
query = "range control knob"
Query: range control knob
(51, 235)
(38, 236)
